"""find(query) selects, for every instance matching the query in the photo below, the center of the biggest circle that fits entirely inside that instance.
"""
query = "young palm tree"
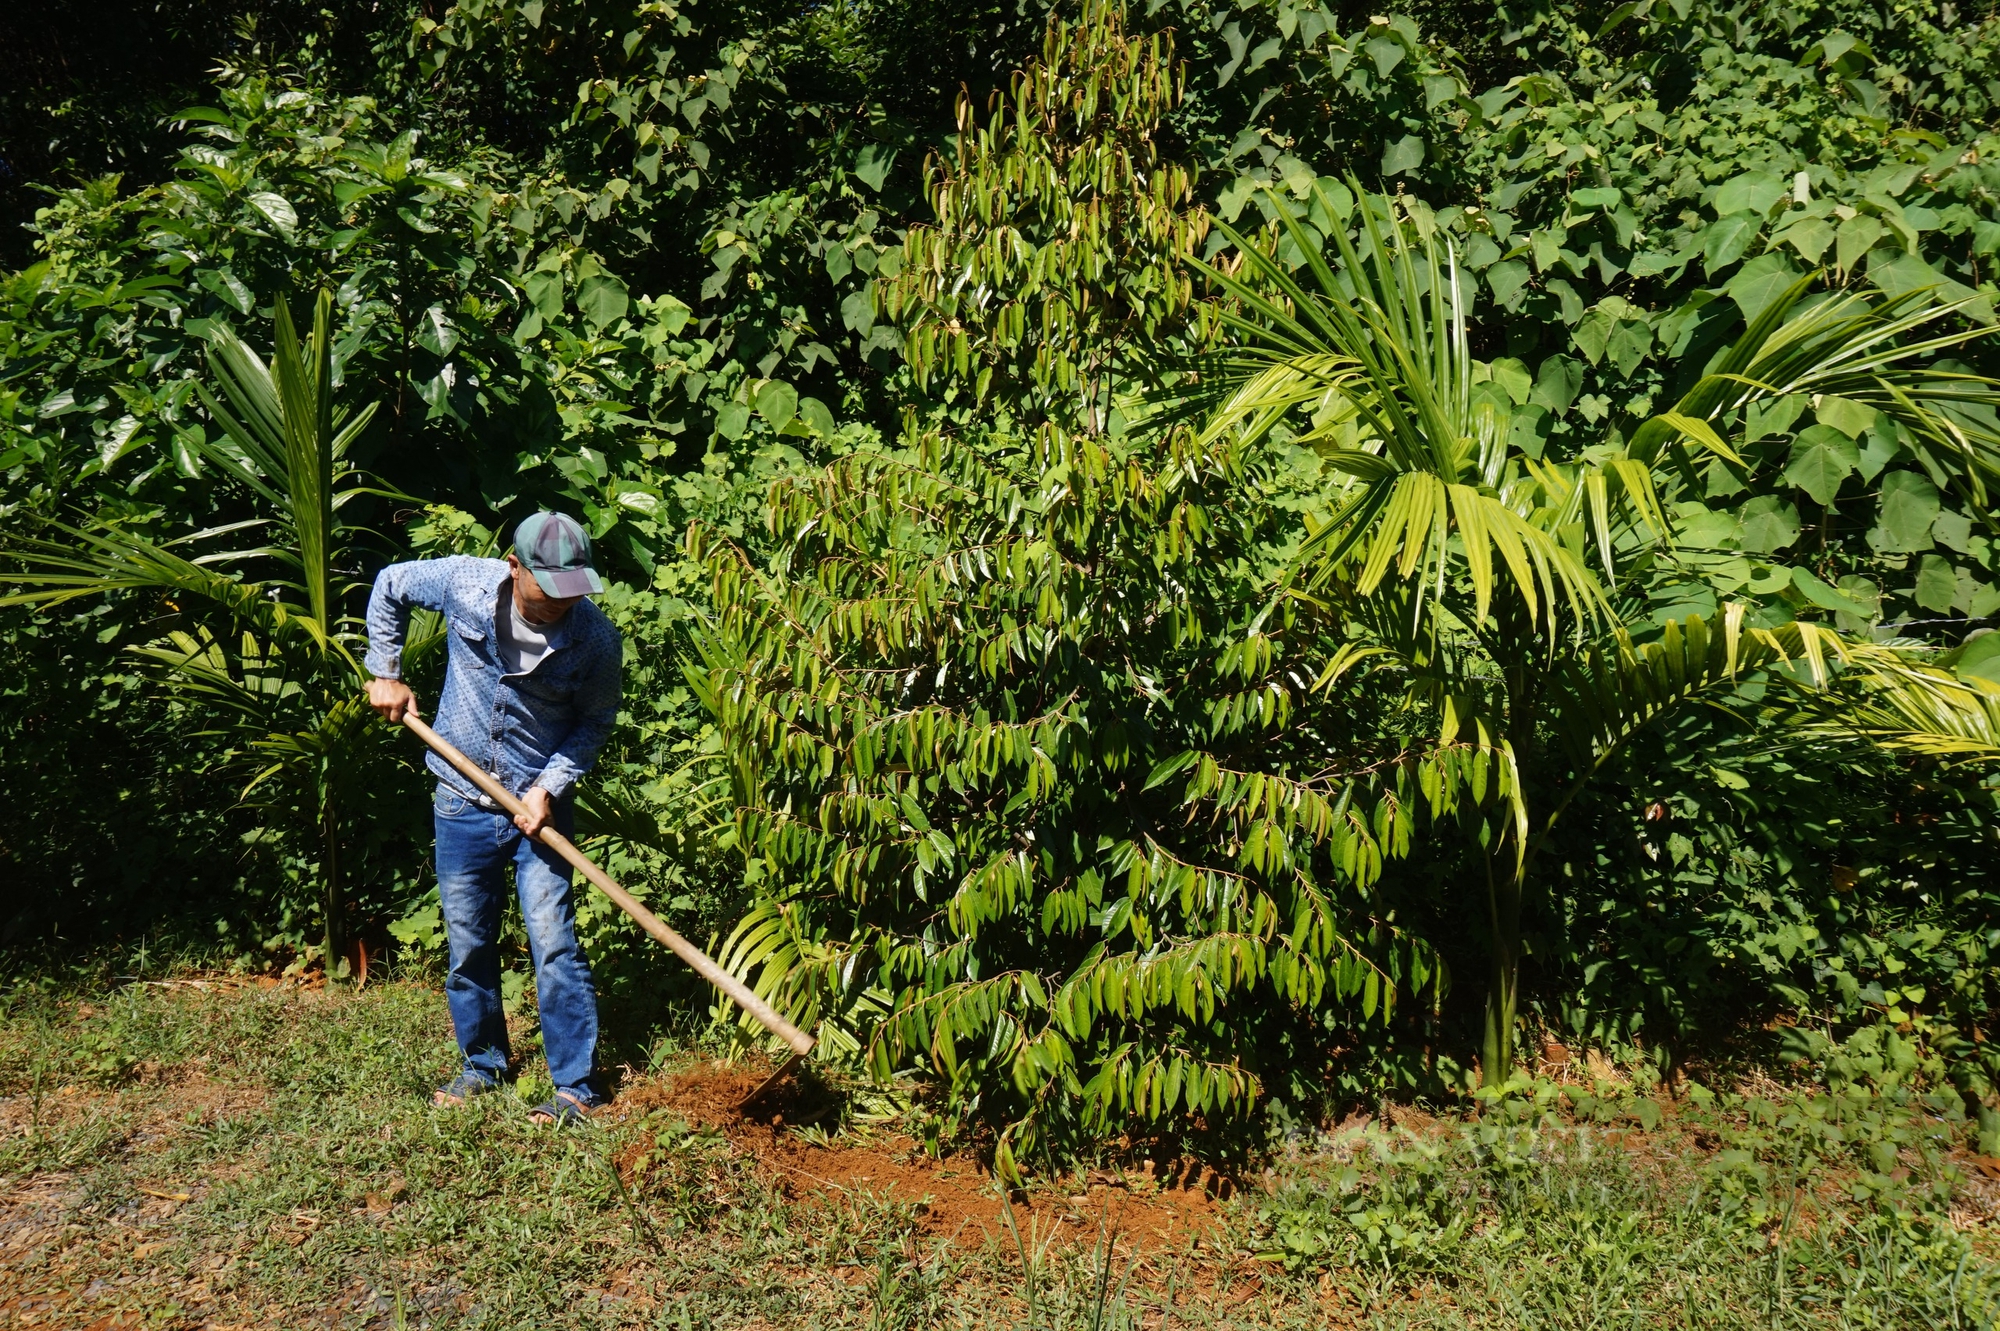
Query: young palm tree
(283, 679)
(1452, 556)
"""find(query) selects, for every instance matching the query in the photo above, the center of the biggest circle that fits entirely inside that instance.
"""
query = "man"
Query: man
(530, 693)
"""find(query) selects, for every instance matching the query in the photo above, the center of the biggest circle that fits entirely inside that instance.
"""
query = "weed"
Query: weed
(1803, 1217)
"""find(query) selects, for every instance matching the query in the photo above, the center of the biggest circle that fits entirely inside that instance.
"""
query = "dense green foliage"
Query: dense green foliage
(1103, 734)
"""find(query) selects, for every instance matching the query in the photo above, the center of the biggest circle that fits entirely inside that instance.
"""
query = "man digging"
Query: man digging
(530, 692)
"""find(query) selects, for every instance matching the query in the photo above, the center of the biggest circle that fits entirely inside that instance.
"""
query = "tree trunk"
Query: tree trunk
(1503, 905)
(329, 869)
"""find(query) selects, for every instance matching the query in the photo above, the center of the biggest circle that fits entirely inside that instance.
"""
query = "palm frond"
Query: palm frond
(287, 441)
(1379, 355)
(1606, 697)
(96, 561)
(1853, 345)
(1915, 708)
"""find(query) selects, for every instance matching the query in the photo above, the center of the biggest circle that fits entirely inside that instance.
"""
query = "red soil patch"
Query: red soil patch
(1156, 1207)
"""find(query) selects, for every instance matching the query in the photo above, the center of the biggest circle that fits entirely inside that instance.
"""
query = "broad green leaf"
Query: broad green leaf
(1546, 244)
(1823, 596)
(1821, 458)
(1591, 333)
(642, 501)
(228, 287)
(872, 163)
(732, 419)
(396, 160)
(1864, 593)
(1513, 377)
(816, 416)
(1953, 531)
(1651, 263)
(857, 311)
(671, 314)
(1709, 528)
(1909, 506)
(1753, 192)
(602, 300)
(1529, 431)
(1759, 282)
(1405, 154)
(1631, 340)
(1851, 418)
(777, 403)
(1771, 579)
(1772, 416)
(1494, 100)
(1386, 52)
(118, 441)
(545, 290)
(435, 332)
(1878, 449)
(1980, 658)
(1506, 279)
(1937, 584)
(1556, 384)
(1727, 238)
(1809, 237)
(278, 211)
(1857, 235)
(1769, 524)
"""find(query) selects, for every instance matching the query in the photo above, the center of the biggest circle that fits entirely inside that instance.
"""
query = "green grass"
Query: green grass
(321, 1190)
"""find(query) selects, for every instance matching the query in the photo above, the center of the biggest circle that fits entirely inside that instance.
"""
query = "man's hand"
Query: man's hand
(541, 806)
(392, 698)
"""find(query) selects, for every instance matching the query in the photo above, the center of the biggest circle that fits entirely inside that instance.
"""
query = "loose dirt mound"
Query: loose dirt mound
(1156, 1206)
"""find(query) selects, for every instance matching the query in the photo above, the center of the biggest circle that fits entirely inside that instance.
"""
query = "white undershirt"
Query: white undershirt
(522, 645)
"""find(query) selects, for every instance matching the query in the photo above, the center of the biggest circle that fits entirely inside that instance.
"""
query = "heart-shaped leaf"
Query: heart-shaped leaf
(602, 300)
(777, 403)
(1821, 458)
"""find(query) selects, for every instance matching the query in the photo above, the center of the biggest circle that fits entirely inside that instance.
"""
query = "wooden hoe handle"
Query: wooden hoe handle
(738, 992)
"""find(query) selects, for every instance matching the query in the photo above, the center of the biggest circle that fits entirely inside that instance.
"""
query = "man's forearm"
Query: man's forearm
(388, 625)
(576, 754)
(567, 765)
(597, 715)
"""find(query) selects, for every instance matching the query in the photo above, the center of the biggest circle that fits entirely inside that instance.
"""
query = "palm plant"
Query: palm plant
(1502, 587)
(1917, 709)
(277, 671)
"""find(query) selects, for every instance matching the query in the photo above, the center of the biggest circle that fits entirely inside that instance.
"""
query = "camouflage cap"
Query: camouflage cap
(556, 549)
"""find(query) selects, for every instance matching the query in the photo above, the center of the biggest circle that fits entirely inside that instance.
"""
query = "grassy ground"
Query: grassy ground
(223, 1154)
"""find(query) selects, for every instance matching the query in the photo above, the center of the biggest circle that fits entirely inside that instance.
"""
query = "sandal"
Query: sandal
(462, 1088)
(564, 1107)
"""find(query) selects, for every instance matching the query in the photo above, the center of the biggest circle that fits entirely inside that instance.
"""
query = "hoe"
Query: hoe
(704, 966)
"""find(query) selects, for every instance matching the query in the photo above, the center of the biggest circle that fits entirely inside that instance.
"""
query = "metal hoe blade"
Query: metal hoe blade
(764, 1087)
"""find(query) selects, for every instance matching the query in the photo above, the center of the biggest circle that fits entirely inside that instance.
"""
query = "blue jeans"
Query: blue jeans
(474, 848)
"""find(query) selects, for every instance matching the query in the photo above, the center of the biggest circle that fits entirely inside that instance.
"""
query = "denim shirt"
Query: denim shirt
(539, 728)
